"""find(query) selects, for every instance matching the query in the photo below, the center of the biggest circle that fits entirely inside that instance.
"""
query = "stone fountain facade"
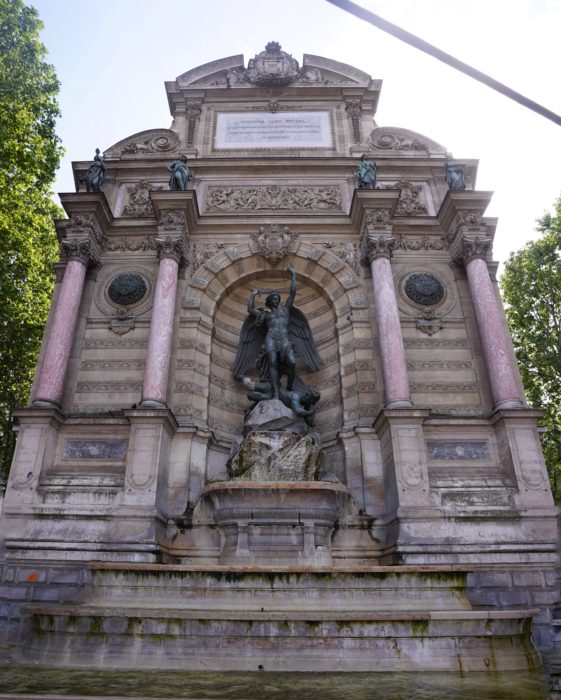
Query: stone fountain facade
(427, 533)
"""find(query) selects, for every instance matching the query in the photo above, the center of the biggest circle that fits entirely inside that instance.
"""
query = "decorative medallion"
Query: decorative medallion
(423, 288)
(272, 67)
(127, 288)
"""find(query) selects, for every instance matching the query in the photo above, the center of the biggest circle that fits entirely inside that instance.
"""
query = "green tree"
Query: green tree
(531, 286)
(30, 153)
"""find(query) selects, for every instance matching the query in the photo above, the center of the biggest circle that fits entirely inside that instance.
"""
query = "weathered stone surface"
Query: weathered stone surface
(276, 456)
(274, 415)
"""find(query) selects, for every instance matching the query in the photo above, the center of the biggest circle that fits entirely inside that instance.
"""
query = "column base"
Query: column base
(399, 403)
(508, 403)
(152, 403)
(45, 403)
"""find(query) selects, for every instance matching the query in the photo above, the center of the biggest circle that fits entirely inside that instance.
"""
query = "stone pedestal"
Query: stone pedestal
(276, 523)
(276, 455)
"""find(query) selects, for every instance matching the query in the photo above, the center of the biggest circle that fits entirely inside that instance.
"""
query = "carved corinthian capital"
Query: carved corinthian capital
(80, 249)
(377, 246)
(471, 248)
(170, 247)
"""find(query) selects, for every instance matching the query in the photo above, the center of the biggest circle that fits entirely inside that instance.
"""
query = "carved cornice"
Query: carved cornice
(170, 247)
(472, 248)
(82, 250)
(376, 246)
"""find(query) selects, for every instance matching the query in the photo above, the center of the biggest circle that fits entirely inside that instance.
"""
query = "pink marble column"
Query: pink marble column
(378, 249)
(499, 361)
(154, 390)
(50, 382)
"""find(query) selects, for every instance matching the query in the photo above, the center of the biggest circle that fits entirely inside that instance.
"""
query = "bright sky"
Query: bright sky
(113, 56)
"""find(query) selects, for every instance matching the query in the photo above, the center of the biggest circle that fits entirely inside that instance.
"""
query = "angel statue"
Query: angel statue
(274, 337)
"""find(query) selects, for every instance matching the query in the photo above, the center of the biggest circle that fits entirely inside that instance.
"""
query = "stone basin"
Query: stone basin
(276, 522)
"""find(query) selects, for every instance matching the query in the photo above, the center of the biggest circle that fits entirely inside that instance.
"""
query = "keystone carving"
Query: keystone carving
(273, 243)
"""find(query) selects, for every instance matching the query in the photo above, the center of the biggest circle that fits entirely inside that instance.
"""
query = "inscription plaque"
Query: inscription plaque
(458, 449)
(95, 449)
(280, 130)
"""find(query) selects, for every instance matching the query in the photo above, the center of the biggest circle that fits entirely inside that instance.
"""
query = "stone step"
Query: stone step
(374, 588)
(102, 637)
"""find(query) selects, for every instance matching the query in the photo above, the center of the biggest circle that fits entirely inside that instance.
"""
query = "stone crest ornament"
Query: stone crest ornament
(429, 322)
(424, 288)
(272, 67)
(122, 322)
(273, 243)
(127, 288)
(137, 202)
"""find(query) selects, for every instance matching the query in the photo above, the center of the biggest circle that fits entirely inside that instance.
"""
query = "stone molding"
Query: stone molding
(82, 250)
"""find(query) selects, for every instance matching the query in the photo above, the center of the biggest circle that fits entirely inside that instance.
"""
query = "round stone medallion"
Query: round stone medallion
(127, 288)
(424, 288)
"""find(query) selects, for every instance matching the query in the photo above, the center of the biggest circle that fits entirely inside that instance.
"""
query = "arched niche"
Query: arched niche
(214, 309)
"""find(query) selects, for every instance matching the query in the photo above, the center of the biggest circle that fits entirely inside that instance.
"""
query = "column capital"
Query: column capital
(170, 247)
(377, 245)
(470, 248)
(82, 250)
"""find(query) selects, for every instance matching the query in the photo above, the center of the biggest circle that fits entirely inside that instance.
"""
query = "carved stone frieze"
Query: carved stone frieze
(471, 248)
(273, 243)
(347, 252)
(170, 247)
(439, 365)
(377, 246)
(130, 244)
(410, 199)
(80, 249)
(137, 199)
(424, 243)
(229, 198)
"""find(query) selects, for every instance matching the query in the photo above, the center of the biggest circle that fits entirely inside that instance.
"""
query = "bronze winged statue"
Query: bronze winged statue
(273, 338)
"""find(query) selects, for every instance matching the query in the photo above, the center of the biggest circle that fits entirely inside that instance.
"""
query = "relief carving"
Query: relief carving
(410, 199)
(137, 199)
(273, 243)
(273, 197)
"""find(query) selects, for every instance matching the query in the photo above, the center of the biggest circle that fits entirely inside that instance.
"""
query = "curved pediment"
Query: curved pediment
(273, 68)
(145, 142)
(392, 139)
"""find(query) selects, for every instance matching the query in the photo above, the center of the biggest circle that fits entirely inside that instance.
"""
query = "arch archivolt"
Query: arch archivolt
(214, 307)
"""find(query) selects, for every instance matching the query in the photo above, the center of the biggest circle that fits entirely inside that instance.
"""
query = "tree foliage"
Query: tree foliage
(531, 286)
(30, 153)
